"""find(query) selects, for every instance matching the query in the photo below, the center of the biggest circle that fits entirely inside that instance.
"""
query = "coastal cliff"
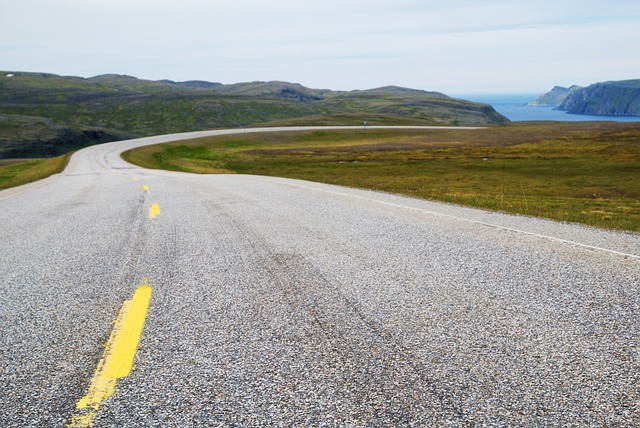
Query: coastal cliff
(553, 98)
(621, 98)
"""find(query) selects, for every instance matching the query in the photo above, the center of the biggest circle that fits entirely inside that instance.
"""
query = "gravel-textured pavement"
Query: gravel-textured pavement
(287, 303)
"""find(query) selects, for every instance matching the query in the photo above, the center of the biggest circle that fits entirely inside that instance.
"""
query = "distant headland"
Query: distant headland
(615, 98)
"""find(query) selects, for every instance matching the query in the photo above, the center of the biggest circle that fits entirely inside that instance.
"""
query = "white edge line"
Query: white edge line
(495, 226)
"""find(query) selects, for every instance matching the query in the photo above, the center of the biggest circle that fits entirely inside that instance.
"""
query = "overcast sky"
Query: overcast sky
(451, 46)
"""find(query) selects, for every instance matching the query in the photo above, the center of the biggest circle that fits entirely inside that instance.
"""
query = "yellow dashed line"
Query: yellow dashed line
(117, 359)
(145, 188)
(154, 211)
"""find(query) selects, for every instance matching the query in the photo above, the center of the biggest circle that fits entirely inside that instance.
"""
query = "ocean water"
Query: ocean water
(515, 108)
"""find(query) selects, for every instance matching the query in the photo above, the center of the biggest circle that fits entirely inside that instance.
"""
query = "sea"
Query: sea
(515, 108)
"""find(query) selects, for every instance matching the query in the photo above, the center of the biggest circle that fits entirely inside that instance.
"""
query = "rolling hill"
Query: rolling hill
(44, 114)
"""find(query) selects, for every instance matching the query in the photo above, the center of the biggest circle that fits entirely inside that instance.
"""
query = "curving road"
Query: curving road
(287, 303)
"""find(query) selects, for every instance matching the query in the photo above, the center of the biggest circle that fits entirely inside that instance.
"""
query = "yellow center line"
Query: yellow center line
(145, 188)
(154, 211)
(117, 358)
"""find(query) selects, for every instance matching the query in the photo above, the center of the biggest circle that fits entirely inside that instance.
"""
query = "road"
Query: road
(280, 302)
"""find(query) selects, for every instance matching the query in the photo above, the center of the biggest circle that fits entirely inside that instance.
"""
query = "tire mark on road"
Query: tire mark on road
(363, 350)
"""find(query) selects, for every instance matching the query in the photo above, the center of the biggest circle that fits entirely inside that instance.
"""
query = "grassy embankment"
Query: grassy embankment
(578, 172)
(15, 172)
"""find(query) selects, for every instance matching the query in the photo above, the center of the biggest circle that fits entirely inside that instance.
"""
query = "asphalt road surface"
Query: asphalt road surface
(287, 303)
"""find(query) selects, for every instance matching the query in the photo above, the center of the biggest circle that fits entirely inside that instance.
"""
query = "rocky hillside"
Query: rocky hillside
(621, 98)
(29, 136)
(554, 97)
(47, 114)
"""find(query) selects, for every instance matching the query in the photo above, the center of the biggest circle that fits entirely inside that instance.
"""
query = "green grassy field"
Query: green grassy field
(579, 172)
(15, 172)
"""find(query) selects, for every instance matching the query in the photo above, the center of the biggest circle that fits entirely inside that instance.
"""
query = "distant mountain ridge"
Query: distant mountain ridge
(40, 110)
(193, 83)
(615, 98)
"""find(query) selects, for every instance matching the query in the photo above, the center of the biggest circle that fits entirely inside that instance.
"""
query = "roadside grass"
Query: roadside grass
(15, 172)
(578, 172)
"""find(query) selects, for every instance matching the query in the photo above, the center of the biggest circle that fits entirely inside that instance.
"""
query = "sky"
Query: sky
(449, 46)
